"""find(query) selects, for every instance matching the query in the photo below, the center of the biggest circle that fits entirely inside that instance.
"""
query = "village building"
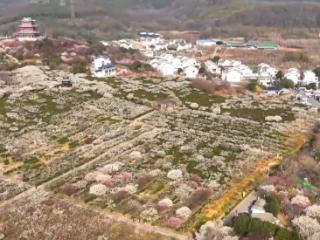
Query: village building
(265, 80)
(229, 63)
(148, 53)
(213, 67)
(166, 70)
(265, 69)
(170, 65)
(191, 72)
(103, 67)
(150, 38)
(266, 74)
(235, 72)
(232, 76)
(309, 77)
(178, 45)
(294, 75)
(209, 42)
(28, 30)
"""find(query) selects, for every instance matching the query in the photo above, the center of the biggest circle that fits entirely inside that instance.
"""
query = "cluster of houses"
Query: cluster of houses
(235, 72)
(151, 44)
(171, 57)
(169, 65)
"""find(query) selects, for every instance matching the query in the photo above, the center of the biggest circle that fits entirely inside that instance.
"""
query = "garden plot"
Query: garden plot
(168, 178)
(45, 134)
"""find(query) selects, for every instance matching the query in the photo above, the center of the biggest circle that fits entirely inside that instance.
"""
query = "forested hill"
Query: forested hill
(124, 16)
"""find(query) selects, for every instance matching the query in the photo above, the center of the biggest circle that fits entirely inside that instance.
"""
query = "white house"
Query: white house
(213, 67)
(150, 38)
(229, 63)
(232, 76)
(103, 67)
(155, 63)
(246, 71)
(309, 77)
(191, 72)
(206, 42)
(265, 69)
(265, 80)
(186, 62)
(176, 63)
(294, 75)
(166, 69)
(148, 53)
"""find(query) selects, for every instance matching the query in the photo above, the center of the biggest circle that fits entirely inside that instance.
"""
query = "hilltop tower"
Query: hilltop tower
(28, 30)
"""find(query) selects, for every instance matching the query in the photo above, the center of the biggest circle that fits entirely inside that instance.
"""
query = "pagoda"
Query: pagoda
(28, 30)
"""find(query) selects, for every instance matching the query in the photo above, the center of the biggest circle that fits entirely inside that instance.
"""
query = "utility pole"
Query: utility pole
(72, 9)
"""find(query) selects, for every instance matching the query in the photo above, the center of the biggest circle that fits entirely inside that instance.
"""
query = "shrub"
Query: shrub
(317, 72)
(199, 197)
(284, 234)
(312, 86)
(119, 196)
(241, 224)
(252, 86)
(79, 66)
(273, 205)
(286, 83)
(69, 189)
(262, 229)
(144, 180)
(138, 66)
(53, 62)
(296, 57)
(244, 225)
(279, 75)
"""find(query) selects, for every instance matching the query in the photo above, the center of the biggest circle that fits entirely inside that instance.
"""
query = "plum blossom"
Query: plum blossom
(183, 212)
(307, 226)
(98, 189)
(174, 222)
(150, 214)
(165, 204)
(313, 211)
(215, 231)
(175, 174)
(300, 201)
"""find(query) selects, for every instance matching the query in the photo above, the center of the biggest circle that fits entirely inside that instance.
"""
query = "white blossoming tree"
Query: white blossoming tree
(313, 212)
(215, 231)
(300, 201)
(306, 226)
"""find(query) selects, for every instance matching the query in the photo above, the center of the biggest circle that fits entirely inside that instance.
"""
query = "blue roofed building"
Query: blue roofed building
(103, 68)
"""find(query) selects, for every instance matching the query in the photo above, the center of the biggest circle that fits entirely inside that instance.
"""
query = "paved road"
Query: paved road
(242, 207)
